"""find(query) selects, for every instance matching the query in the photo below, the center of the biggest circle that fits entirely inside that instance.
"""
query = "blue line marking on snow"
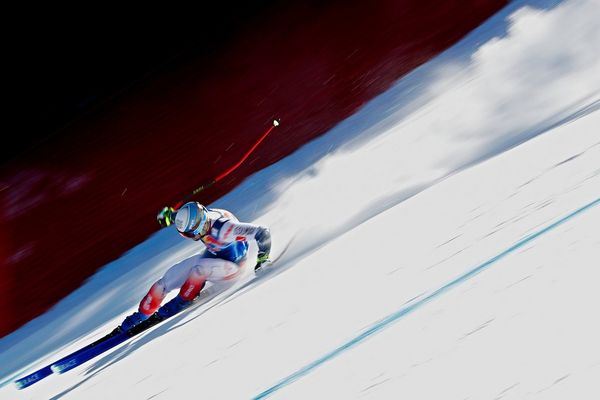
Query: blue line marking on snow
(384, 323)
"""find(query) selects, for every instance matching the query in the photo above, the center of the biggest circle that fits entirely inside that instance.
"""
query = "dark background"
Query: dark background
(116, 113)
(63, 63)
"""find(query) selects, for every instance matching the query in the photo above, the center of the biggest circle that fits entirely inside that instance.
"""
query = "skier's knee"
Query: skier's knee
(153, 298)
(193, 284)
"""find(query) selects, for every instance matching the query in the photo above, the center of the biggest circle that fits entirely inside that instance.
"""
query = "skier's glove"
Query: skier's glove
(166, 216)
(262, 258)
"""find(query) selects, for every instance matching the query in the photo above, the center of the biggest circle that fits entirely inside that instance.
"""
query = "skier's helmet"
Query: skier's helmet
(192, 220)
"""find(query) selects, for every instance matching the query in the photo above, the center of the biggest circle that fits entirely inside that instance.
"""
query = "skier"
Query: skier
(226, 240)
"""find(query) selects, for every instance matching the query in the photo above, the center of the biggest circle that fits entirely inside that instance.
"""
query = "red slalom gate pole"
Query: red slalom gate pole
(164, 216)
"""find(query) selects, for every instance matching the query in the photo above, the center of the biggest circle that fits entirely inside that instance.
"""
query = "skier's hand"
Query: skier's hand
(166, 216)
(262, 258)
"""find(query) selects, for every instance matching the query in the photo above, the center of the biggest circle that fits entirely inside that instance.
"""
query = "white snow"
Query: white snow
(389, 216)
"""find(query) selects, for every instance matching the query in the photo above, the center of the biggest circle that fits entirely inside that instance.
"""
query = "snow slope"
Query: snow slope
(430, 257)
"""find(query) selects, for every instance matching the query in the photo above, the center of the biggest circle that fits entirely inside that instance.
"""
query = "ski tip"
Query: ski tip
(20, 384)
(276, 122)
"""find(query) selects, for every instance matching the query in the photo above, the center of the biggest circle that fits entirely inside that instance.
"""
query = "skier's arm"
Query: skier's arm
(231, 231)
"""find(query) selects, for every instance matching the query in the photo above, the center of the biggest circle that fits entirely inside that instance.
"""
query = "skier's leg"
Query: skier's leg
(207, 269)
(172, 279)
(153, 298)
(193, 284)
(189, 290)
(217, 269)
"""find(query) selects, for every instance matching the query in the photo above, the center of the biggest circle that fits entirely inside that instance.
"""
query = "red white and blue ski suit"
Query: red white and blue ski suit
(226, 242)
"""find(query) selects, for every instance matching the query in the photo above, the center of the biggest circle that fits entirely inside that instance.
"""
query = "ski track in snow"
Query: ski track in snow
(447, 167)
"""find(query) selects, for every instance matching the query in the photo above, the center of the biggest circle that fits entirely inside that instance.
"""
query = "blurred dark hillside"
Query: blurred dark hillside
(63, 63)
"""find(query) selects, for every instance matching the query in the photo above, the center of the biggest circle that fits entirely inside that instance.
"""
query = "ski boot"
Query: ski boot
(172, 307)
(132, 320)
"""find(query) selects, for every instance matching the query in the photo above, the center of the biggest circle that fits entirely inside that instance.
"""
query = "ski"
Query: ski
(46, 371)
(110, 341)
(92, 350)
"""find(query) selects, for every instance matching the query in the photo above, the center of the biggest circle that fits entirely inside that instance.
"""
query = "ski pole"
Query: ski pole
(164, 216)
